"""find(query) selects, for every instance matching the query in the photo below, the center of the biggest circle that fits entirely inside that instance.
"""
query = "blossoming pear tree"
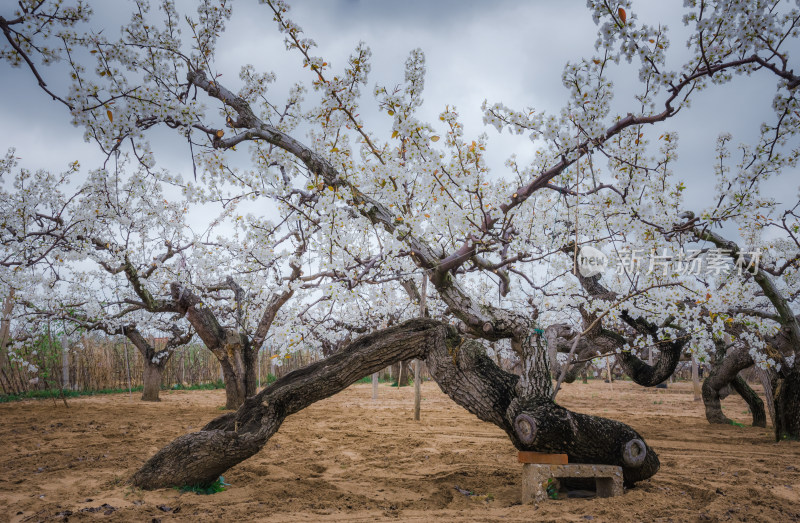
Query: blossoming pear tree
(35, 222)
(423, 198)
(229, 287)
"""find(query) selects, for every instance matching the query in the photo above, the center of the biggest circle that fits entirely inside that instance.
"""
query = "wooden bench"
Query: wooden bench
(540, 470)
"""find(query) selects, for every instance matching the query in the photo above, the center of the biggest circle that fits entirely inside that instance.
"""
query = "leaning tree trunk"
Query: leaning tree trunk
(520, 406)
(787, 404)
(200, 457)
(151, 379)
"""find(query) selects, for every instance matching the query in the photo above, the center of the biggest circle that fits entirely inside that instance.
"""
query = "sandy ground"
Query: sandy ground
(349, 458)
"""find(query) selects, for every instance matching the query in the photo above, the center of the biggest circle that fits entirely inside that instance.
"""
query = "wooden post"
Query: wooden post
(696, 380)
(417, 388)
(423, 296)
(374, 385)
(127, 367)
(64, 362)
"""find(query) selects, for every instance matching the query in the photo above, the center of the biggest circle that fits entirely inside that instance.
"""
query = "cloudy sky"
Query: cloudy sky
(506, 51)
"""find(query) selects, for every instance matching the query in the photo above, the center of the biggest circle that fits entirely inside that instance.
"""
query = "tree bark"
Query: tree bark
(239, 366)
(233, 349)
(724, 371)
(154, 361)
(787, 404)
(768, 381)
(402, 374)
(651, 374)
(151, 378)
(787, 392)
(604, 341)
(460, 367)
(756, 404)
(423, 313)
(535, 379)
(200, 457)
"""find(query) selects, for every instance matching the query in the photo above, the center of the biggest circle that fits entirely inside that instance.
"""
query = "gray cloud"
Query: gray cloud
(504, 51)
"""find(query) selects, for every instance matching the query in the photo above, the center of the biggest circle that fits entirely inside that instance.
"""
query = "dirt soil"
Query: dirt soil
(350, 458)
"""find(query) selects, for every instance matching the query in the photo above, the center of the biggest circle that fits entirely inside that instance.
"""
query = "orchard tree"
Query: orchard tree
(229, 288)
(769, 291)
(48, 235)
(36, 220)
(736, 313)
(154, 355)
(427, 194)
(757, 298)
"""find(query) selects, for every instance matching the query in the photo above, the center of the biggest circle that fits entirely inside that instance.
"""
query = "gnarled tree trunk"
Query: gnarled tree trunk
(787, 340)
(651, 374)
(754, 403)
(151, 379)
(239, 365)
(724, 371)
(601, 340)
(785, 384)
(520, 406)
(232, 348)
(236, 352)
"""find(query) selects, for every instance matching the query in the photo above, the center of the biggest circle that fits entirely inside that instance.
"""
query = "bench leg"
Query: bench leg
(608, 487)
(534, 478)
